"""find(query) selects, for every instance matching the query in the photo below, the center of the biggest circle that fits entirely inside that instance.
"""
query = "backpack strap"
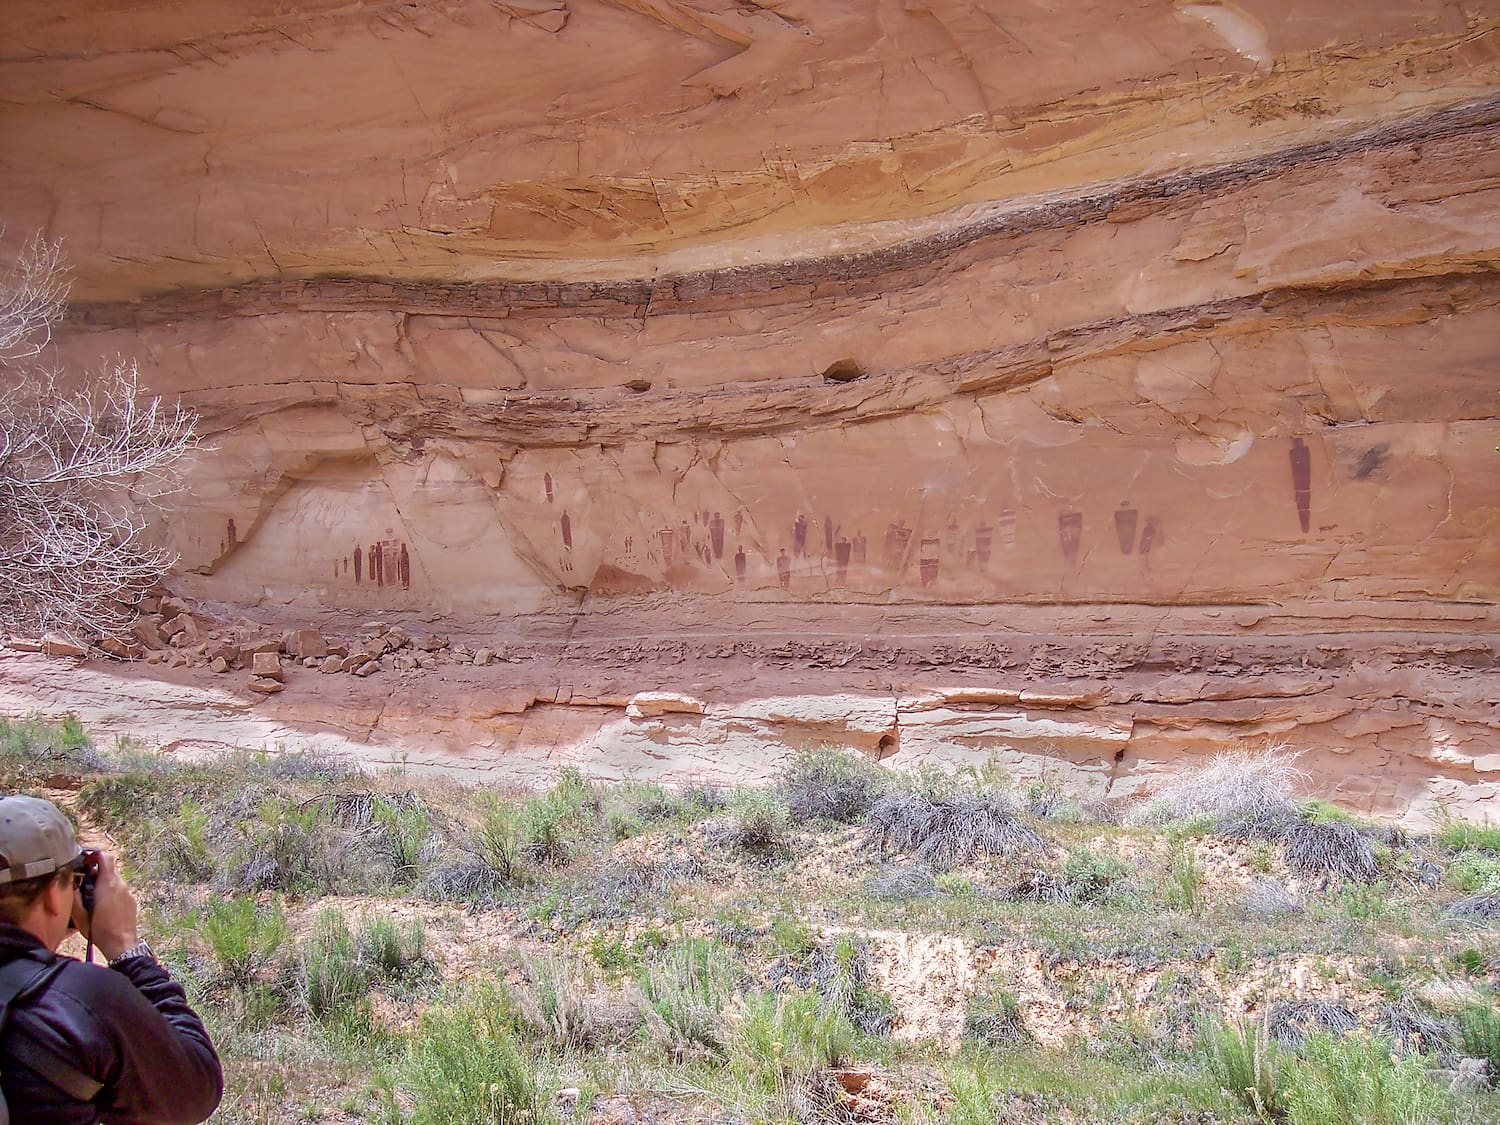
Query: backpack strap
(22, 980)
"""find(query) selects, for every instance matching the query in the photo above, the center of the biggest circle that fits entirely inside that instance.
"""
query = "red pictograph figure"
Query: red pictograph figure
(547, 484)
(799, 536)
(377, 563)
(1151, 535)
(232, 532)
(665, 536)
(927, 560)
(567, 531)
(346, 566)
(359, 559)
(404, 568)
(1007, 521)
(897, 536)
(953, 538)
(684, 537)
(841, 552)
(1126, 519)
(860, 550)
(739, 564)
(739, 523)
(984, 538)
(335, 570)
(1070, 534)
(1301, 458)
(784, 570)
(716, 534)
(828, 530)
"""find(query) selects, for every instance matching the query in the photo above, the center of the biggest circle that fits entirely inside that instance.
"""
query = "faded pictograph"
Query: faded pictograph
(1126, 519)
(1301, 458)
(1070, 535)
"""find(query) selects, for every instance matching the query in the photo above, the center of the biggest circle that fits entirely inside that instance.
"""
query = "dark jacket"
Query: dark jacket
(130, 1028)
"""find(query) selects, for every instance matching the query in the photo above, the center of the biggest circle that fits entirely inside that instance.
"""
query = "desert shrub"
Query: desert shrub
(1184, 880)
(1292, 1022)
(793, 1030)
(556, 824)
(902, 882)
(1472, 871)
(994, 1019)
(392, 953)
(631, 806)
(36, 747)
(291, 848)
(465, 1067)
(836, 970)
(946, 830)
(1461, 835)
(1413, 1030)
(1268, 900)
(620, 887)
(1354, 1080)
(704, 797)
(181, 849)
(1335, 849)
(1479, 1036)
(1088, 876)
(757, 824)
(1247, 1063)
(331, 983)
(830, 785)
(244, 936)
(469, 879)
(1481, 910)
(1242, 792)
(499, 839)
(559, 1005)
(685, 990)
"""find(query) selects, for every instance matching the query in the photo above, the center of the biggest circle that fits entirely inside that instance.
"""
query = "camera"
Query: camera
(90, 878)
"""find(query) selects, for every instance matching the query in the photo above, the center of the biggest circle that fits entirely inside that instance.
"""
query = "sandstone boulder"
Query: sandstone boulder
(55, 644)
(265, 685)
(266, 665)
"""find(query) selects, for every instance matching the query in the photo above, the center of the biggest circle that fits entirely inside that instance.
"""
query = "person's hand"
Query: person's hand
(113, 925)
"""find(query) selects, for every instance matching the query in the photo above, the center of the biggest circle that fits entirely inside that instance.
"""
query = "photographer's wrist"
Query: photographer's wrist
(113, 945)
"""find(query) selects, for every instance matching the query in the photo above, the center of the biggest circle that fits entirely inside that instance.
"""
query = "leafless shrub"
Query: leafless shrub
(1269, 899)
(1334, 849)
(1482, 909)
(1413, 1030)
(1241, 791)
(81, 462)
(900, 882)
(944, 831)
(1292, 1021)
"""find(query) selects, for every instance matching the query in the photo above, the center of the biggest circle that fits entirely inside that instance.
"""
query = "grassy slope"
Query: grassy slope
(848, 947)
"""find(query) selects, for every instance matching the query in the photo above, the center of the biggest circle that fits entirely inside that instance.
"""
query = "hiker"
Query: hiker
(81, 1043)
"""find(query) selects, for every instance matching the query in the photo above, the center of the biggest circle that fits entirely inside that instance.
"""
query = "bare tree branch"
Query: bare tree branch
(82, 463)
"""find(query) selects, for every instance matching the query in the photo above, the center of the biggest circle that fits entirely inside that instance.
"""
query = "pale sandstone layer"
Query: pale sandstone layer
(941, 379)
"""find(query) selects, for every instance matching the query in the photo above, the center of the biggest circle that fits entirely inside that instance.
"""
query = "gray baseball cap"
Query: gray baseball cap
(36, 839)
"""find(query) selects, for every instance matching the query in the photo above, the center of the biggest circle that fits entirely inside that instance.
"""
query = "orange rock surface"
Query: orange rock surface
(1088, 387)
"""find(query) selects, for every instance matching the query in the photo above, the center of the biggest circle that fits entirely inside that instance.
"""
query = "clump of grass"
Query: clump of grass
(1242, 793)
(994, 1018)
(1331, 849)
(559, 1005)
(1247, 1063)
(1087, 876)
(1462, 835)
(466, 1067)
(1479, 1036)
(1184, 881)
(37, 747)
(1355, 1080)
(1481, 910)
(1474, 872)
(243, 936)
(830, 785)
(943, 831)
(685, 990)
(757, 824)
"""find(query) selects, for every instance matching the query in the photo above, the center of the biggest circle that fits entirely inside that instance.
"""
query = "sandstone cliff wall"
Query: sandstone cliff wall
(1143, 358)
